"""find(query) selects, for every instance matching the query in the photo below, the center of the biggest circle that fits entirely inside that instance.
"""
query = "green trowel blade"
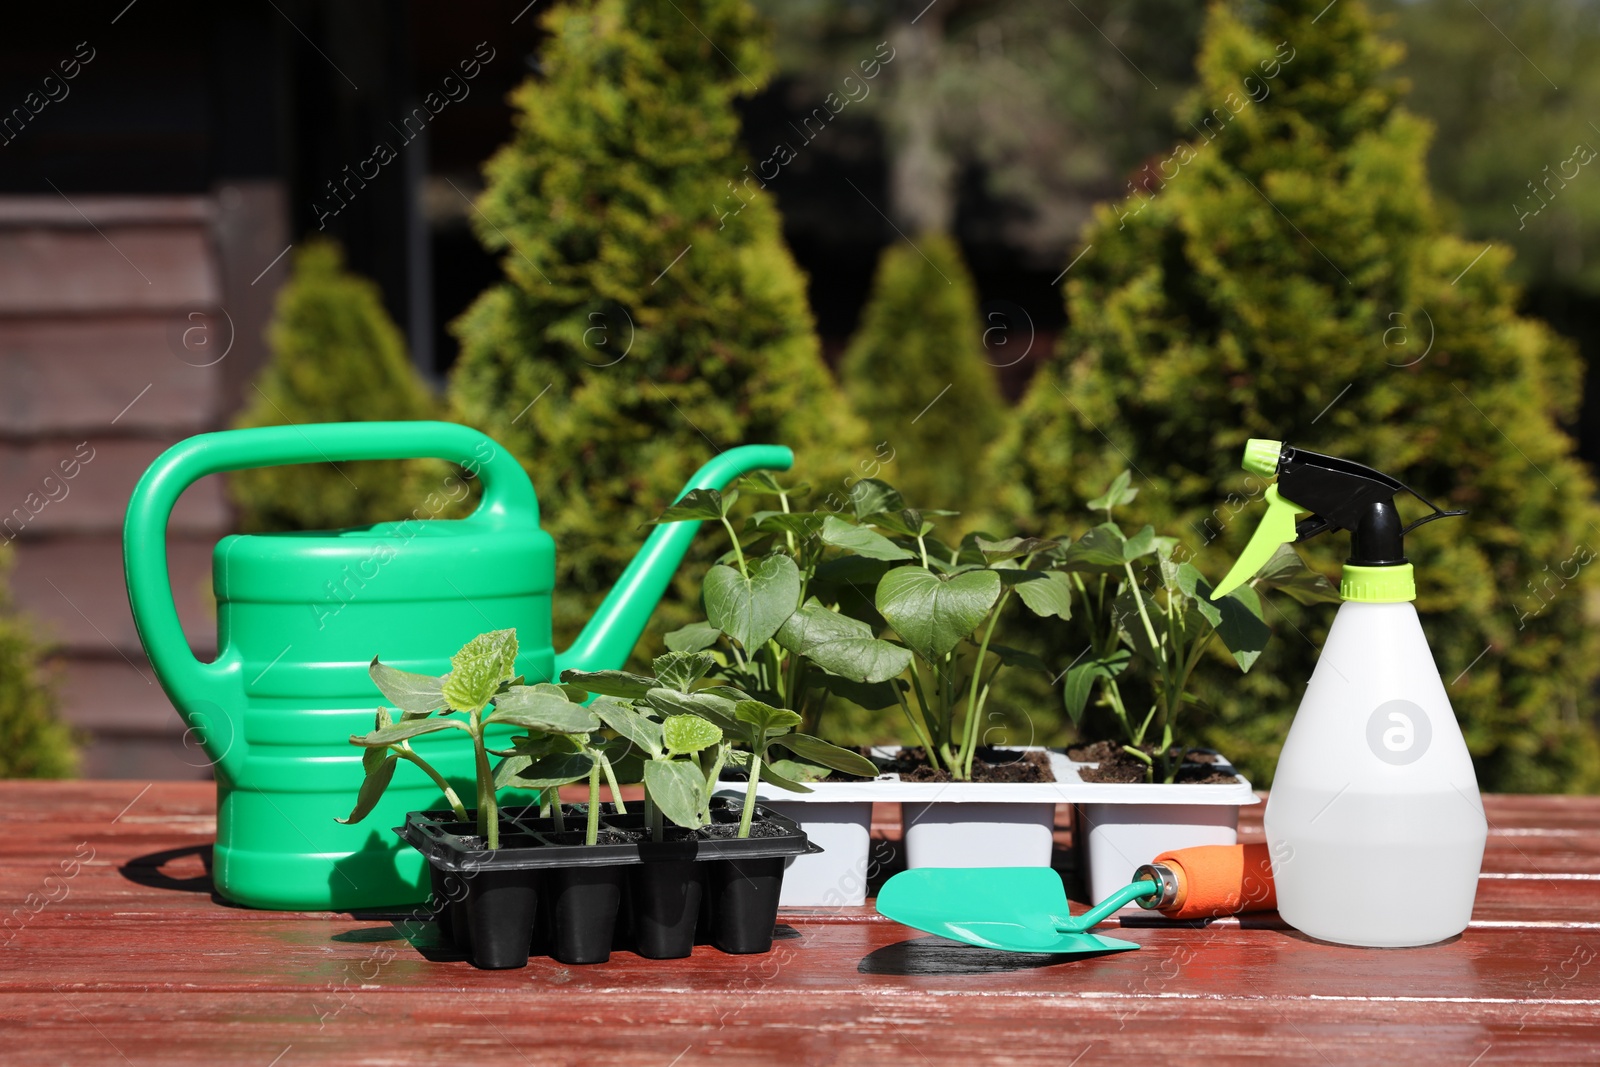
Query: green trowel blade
(1014, 909)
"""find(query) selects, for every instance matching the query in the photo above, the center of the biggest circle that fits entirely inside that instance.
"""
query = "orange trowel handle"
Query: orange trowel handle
(1210, 880)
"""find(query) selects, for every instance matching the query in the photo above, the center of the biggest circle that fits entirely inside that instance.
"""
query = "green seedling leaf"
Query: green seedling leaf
(675, 786)
(870, 496)
(1193, 585)
(372, 788)
(933, 614)
(697, 505)
(849, 573)
(1081, 678)
(688, 734)
(372, 758)
(1116, 495)
(563, 768)
(764, 717)
(1010, 548)
(1046, 593)
(1236, 617)
(539, 745)
(505, 774)
(404, 730)
(1142, 543)
(795, 771)
(715, 707)
(816, 750)
(1099, 550)
(695, 637)
(478, 669)
(801, 524)
(630, 723)
(1285, 570)
(610, 683)
(727, 692)
(1242, 628)
(868, 695)
(860, 540)
(908, 522)
(776, 777)
(842, 645)
(1016, 657)
(575, 694)
(680, 670)
(627, 762)
(750, 610)
(1125, 610)
(763, 483)
(414, 694)
(543, 710)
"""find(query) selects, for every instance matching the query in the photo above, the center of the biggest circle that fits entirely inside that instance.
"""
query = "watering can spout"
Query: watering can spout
(609, 637)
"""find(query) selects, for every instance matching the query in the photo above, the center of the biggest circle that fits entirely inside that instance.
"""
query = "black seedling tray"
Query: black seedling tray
(535, 844)
(542, 892)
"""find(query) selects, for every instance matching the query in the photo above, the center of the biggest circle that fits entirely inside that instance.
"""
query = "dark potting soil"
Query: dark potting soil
(669, 833)
(1115, 765)
(730, 831)
(603, 837)
(990, 765)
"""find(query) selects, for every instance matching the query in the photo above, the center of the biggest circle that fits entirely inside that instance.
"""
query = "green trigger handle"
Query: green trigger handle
(1277, 528)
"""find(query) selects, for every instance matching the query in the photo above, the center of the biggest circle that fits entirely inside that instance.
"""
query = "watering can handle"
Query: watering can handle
(203, 690)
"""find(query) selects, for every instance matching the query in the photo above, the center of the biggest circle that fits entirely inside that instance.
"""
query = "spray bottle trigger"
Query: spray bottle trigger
(1277, 528)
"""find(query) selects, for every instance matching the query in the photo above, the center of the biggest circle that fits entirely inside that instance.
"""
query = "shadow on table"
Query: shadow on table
(937, 955)
(151, 869)
(424, 937)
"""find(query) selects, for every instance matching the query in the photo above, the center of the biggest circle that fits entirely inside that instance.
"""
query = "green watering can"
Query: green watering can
(301, 615)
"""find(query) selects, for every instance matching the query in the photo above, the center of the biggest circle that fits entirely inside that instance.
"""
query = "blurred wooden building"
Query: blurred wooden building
(157, 162)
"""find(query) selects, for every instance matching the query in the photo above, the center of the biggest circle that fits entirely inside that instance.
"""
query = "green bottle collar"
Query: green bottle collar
(1378, 585)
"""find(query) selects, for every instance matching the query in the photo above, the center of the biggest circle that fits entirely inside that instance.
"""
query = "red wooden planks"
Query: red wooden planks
(133, 959)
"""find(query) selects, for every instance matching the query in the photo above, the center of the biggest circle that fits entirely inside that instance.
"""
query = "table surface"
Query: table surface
(131, 961)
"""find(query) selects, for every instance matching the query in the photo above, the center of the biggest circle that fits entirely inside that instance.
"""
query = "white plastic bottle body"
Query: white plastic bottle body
(1374, 822)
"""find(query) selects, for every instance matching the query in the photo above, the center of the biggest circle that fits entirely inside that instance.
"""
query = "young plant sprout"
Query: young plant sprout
(789, 625)
(480, 691)
(1149, 618)
(688, 734)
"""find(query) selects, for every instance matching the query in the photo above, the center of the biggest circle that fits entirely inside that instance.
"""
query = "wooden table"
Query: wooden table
(132, 961)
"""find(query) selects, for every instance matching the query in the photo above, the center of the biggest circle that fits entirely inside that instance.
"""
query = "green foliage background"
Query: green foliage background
(336, 357)
(921, 336)
(33, 742)
(1293, 280)
(651, 314)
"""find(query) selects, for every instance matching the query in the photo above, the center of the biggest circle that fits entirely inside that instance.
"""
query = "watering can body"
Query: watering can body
(301, 615)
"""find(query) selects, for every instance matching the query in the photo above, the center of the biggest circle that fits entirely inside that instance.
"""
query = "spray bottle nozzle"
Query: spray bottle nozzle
(1335, 494)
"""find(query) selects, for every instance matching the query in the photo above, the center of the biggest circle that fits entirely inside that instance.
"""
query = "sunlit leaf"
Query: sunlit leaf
(842, 645)
(750, 610)
(410, 692)
(676, 786)
(372, 788)
(933, 614)
(694, 637)
(687, 734)
(477, 671)
(697, 505)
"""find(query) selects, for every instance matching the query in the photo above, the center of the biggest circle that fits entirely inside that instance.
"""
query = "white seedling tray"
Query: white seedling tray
(1004, 824)
(1068, 788)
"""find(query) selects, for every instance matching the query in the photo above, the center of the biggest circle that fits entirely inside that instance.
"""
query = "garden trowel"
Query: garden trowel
(1024, 909)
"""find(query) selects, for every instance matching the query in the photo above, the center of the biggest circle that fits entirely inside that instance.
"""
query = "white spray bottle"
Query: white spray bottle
(1374, 821)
